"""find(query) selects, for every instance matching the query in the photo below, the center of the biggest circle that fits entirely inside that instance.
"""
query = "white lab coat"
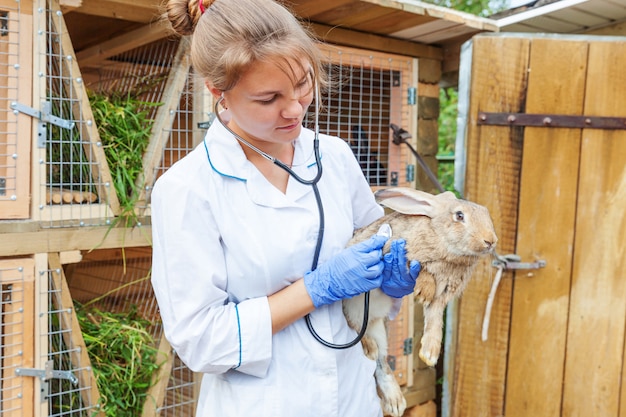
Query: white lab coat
(224, 239)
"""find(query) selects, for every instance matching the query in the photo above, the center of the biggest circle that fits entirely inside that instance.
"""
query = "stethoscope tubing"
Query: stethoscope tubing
(320, 206)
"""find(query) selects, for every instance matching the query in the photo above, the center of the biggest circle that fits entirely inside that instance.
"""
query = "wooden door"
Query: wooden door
(557, 192)
(17, 318)
(15, 127)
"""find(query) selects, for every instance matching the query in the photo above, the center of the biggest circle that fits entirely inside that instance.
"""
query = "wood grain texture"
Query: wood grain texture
(595, 339)
(498, 84)
(549, 181)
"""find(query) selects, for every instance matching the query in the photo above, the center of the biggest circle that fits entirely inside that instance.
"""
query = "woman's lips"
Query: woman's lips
(289, 127)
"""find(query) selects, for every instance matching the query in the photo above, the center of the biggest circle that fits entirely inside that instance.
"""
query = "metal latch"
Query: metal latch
(44, 116)
(512, 261)
(504, 262)
(45, 375)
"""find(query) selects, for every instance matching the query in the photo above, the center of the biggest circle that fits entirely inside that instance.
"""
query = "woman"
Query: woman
(235, 235)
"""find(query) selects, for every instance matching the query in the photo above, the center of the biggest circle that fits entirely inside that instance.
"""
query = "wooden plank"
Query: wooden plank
(498, 82)
(547, 211)
(17, 317)
(428, 409)
(595, 348)
(143, 11)
(40, 341)
(74, 337)
(156, 394)
(22, 241)
(372, 42)
(95, 55)
(15, 148)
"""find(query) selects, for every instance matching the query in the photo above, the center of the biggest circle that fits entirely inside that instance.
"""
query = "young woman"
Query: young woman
(235, 235)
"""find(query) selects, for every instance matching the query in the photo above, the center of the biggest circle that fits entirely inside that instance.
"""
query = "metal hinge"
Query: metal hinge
(45, 375)
(551, 120)
(408, 346)
(207, 124)
(44, 116)
(412, 96)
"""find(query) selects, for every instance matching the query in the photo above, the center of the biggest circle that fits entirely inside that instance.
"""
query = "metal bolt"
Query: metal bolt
(482, 117)
(16, 66)
(511, 118)
(587, 121)
(13, 197)
(547, 121)
(14, 156)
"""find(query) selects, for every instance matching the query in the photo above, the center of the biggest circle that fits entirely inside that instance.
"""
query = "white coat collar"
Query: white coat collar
(227, 158)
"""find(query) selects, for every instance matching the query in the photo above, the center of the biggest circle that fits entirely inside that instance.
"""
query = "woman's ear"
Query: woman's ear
(216, 92)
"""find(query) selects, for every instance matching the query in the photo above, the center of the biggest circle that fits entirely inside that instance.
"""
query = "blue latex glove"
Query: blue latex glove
(398, 280)
(353, 271)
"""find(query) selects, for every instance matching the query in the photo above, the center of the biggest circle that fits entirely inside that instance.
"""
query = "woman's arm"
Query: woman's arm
(289, 304)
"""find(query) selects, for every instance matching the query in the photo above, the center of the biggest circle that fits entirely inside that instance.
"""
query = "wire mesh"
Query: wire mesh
(65, 396)
(12, 338)
(184, 134)
(71, 169)
(367, 94)
(9, 67)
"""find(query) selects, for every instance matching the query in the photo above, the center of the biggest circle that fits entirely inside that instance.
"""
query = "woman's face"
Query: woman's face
(267, 105)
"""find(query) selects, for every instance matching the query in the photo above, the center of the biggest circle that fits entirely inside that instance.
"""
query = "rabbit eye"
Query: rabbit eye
(459, 216)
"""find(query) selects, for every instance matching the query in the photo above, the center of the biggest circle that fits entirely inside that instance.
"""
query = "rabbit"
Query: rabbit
(447, 236)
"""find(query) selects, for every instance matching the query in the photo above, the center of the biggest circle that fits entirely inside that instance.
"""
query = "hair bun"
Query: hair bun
(183, 15)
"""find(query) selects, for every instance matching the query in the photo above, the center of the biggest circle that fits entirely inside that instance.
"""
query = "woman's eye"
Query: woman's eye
(267, 101)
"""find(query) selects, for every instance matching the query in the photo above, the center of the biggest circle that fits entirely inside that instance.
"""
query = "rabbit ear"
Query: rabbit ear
(407, 201)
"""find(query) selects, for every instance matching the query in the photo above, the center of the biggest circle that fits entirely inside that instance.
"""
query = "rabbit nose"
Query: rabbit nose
(490, 245)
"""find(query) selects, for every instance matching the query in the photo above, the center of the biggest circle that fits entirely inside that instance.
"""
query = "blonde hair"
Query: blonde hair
(231, 35)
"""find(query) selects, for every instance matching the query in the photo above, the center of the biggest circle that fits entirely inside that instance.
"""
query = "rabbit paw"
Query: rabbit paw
(425, 288)
(429, 352)
(392, 400)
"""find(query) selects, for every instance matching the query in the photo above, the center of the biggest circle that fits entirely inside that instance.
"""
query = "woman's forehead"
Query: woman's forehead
(278, 70)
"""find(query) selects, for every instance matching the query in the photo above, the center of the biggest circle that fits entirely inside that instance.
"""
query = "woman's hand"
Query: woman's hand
(353, 271)
(398, 280)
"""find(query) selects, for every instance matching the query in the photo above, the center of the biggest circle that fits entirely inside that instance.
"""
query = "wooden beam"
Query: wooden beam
(26, 238)
(140, 11)
(160, 379)
(93, 57)
(347, 37)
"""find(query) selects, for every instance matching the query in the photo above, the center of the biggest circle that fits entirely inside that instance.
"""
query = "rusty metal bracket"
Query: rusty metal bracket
(551, 120)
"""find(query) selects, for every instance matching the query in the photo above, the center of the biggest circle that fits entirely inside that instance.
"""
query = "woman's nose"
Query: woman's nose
(294, 108)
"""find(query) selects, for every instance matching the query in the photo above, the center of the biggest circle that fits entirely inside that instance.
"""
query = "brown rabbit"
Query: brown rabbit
(447, 236)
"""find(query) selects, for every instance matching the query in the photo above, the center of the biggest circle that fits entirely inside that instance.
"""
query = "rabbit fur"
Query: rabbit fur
(447, 236)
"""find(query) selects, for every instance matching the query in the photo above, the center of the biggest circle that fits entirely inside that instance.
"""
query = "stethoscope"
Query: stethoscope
(320, 207)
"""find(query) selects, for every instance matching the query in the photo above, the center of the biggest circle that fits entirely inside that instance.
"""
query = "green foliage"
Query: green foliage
(448, 101)
(124, 129)
(477, 7)
(123, 356)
